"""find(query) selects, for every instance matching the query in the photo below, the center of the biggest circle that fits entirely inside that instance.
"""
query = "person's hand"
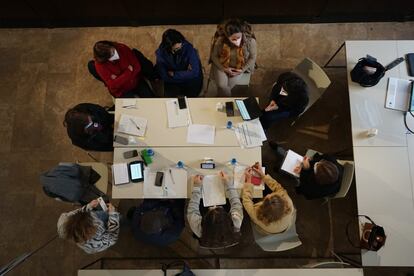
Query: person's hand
(111, 208)
(224, 177)
(93, 203)
(235, 72)
(171, 73)
(248, 175)
(113, 76)
(297, 169)
(305, 162)
(198, 180)
(130, 68)
(258, 170)
(272, 106)
(228, 71)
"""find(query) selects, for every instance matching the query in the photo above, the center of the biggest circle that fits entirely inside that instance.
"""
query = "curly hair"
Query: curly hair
(273, 208)
(79, 227)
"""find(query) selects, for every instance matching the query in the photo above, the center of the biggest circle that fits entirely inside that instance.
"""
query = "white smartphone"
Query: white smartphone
(102, 204)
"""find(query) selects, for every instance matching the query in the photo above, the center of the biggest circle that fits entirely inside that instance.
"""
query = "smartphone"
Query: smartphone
(158, 179)
(181, 103)
(121, 140)
(229, 109)
(102, 204)
(136, 171)
(130, 154)
(411, 106)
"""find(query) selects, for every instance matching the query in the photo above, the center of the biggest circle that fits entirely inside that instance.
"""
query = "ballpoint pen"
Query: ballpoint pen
(172, 178)
(135, 124)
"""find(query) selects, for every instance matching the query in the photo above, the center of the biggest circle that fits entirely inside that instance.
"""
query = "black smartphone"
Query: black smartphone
(229, 109)
(121, 140)
(136, 171)
(158, 179)
(130, 154)
(181, 103)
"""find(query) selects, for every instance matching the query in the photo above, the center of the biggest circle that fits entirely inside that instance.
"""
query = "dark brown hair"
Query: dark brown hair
(217, 229)
(273, 208)
(326, 173)
(235, 25)
(75, 121)
(79, 227)
(102, 50)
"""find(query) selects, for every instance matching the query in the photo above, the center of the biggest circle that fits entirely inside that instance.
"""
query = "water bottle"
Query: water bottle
(233, 161)
(229, 125)
(150, 152)
(180, 164)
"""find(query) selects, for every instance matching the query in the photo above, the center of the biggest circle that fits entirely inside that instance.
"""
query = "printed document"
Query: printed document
(132, 125)
(398, 94)
(213, 191)
(177, 117)
(250, 134)
(201, 134)
(292, 159)
(120, 173)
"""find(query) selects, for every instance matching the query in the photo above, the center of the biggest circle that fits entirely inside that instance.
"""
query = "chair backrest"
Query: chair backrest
(347, 177)
(315, 78)
(102, 170)
(286, 240)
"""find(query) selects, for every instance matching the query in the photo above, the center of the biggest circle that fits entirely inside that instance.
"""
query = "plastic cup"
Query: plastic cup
(229, 124)
(180, 164)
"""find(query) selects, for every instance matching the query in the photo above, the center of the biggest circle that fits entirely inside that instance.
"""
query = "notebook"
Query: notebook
(132, 125)
(120, 173)
(292, 159)
(213, 191)
(398, 94)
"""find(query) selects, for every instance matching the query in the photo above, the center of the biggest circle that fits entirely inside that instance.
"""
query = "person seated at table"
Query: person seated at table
(289, 98)
(233, 52)
(215, 226)
(274, 213)
(320, 176)
(92, 230)
(179, 65)
(156, 221)
(90, 127)
(119, 68)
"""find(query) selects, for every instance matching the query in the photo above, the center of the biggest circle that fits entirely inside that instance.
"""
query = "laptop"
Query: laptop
(249, 108)
(399, 94)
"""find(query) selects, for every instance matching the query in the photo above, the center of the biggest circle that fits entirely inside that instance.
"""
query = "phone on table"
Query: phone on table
(158, 179)
(121, 140)
(130, 154)
(182, 103)
(229, 109)
(136, 171)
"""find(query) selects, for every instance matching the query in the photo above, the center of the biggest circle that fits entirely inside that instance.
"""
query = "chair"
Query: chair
(315, 78)
(347, 176)
(102, 170)
(286, 240)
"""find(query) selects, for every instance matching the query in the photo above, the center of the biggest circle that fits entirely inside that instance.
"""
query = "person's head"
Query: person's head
(233, 30)
(172, 41)
(104, 50)
(294, 85)
(76, 121)
(326, 172)
(79, 227)
(217, 228)
(273, 208)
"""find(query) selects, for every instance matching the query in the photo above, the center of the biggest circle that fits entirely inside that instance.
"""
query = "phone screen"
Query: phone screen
(229, 109)
(181, 103)
(411, 107)
(136, 171)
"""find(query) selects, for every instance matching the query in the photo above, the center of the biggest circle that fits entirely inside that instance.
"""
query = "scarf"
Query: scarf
(225, 56)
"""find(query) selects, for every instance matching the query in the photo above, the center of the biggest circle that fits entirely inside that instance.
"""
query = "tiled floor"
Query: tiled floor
(43, 73)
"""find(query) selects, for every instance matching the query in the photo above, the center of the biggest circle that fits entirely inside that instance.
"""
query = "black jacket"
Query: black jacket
(99, 141)
(308, 186)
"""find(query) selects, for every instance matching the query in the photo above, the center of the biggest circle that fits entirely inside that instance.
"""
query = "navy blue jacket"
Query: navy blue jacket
(179, 62)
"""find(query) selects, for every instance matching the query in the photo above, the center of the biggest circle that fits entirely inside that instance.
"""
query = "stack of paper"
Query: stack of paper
(132, 125)
(120, 173)
(239, 178)
(213, 191)
(177, 117)
(201, 134)
(292, 160)
(250, 134)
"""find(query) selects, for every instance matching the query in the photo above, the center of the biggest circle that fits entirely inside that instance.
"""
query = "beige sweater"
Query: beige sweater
(278, 226)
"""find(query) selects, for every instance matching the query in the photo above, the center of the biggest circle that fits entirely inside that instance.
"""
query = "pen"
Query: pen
(135, 124)
(172, 178)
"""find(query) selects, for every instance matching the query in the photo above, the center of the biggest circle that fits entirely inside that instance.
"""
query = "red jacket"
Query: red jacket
(126, 80)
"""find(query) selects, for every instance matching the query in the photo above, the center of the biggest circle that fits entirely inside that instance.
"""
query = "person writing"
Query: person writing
(320, 176)
(215, 226)
(274, 213)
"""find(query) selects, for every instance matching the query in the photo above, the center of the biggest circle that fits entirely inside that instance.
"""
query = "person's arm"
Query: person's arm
(247, 196)
(193, 212)
(215, 54)
(113, 84)
(194, 63)
(162, 66)
(236, 208)
(272, 183)
(252, 56)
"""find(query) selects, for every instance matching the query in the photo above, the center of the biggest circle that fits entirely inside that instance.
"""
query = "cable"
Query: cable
(405, 121)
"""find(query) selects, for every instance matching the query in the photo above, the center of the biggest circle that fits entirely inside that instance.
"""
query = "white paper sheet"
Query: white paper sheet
(175, 183)
(150, 190)
(213, 191)
(201, 134)
(250, 134)
(177, 117)
(239, 178)
(132, 125)
(120, 173)
(292, 160)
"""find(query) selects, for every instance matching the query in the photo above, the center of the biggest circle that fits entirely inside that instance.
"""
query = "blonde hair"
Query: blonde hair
(273, 208)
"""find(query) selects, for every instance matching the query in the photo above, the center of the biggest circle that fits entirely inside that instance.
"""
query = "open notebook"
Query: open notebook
(292, 159)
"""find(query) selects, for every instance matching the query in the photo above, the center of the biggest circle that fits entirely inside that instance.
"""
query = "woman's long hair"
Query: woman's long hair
(217, 229)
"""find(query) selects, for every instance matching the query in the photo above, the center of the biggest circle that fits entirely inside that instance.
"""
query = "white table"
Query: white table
(230, 272)
(384, 164)
(191, 157)
(203, 111)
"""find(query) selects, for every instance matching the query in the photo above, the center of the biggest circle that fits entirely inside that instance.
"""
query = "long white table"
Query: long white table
(384, 164)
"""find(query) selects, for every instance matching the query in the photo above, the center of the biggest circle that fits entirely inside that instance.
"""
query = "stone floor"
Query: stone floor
(43, 73)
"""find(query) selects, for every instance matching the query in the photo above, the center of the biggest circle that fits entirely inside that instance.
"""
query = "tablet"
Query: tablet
(136, 171)
(243, 110)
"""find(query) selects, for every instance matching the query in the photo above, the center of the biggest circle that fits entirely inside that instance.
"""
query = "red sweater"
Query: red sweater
(126, 80)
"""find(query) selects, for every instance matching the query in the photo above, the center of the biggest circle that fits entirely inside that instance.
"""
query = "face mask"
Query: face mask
(115, 56)
(237, 42)
(283, 92)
